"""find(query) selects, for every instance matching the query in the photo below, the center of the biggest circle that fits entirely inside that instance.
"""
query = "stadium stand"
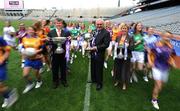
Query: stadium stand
(147, 15)
(172, 27)
(67, 14)
(13, 14)
(41, 13)
(163, 19)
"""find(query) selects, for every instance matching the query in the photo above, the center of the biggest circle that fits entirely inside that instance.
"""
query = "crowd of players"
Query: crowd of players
(135, 50)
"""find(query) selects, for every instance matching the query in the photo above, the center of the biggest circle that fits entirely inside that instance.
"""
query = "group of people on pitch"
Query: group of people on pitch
(135, 50)
(140, 50)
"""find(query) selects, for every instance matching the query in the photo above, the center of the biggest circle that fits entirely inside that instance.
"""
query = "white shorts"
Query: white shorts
(162, 75)
(74, 43)
(82, 43)
(11, 41)
(137, 57)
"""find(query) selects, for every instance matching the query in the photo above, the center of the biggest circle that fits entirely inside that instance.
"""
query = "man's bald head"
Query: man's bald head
(99, 24)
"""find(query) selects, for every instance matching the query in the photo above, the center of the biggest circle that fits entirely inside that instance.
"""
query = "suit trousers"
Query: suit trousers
(59, 65)
(97, 64)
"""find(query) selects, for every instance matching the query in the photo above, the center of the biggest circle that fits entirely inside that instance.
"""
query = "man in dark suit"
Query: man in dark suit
(58, 59)
(99, 43)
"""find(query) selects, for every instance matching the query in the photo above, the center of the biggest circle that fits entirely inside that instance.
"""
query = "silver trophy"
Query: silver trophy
(59, 41)
(120, 55)
(88, 37)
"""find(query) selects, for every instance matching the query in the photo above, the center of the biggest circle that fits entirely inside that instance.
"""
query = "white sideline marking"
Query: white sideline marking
(88, 90)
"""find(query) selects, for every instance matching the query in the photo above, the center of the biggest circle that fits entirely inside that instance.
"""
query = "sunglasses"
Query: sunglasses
(98, 24)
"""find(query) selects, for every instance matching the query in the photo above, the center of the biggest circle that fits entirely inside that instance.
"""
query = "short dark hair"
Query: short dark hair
(63, 22)
(59, 20)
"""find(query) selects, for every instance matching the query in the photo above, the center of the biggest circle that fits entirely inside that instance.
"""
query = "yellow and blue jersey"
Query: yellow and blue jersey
(33, 42)
(3, 49)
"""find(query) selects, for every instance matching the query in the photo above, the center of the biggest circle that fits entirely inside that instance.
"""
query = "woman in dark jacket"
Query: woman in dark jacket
(122, 60)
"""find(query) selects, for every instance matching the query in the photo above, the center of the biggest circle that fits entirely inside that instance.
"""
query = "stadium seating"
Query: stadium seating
(98, 12)
(41, 13)
(13, 14)
(68, 14)
(172, 27)
(163, 19)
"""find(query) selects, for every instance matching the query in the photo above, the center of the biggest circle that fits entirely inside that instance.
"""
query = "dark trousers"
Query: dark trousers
(59, 64)
(97, 70)
(122, 70)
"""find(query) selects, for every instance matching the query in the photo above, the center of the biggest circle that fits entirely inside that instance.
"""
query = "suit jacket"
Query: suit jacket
(102, 40)
(53, 33)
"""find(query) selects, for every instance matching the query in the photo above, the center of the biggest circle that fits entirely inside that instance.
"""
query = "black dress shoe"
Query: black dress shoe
(98, 87)
(65, 84)
(55, 85)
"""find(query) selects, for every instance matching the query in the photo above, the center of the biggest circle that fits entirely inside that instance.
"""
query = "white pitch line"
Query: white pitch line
(88, 90)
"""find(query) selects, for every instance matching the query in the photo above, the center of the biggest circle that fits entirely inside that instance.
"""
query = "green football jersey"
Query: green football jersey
(74, 32)
(140, 46)
(92, 27)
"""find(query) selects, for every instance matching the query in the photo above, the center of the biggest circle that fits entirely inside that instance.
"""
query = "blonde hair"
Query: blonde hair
(124, 25)
(120, 26)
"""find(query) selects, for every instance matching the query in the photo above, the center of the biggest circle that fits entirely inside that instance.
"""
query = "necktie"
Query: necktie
(59, 33)
(98, 31)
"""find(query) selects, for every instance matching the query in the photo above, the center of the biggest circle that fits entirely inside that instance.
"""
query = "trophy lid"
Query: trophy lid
(62, 39)
(87, 36)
